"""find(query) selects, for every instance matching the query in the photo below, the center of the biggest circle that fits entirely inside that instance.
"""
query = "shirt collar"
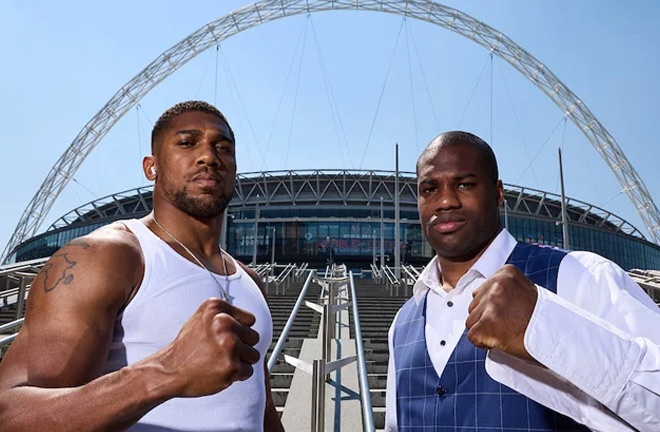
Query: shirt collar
(489, 262)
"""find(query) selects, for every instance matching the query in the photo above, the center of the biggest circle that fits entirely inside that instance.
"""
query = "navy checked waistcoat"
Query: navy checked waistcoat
(465, 398)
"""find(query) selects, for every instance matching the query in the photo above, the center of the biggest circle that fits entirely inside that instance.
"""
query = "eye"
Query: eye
(428, 190)
(466, 185)
(185, 144)
(225, 147)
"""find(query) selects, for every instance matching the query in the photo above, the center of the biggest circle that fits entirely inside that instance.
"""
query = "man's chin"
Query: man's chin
(202, 208)
(454, 251)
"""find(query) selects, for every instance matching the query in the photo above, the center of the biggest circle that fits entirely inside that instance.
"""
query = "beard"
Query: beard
(206, 207)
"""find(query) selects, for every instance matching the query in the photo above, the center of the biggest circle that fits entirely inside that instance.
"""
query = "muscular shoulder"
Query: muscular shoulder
(113, 238)
(107, 257)
(71, 310)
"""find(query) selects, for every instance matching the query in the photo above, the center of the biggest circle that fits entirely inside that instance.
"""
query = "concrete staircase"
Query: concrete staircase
(305, 326)
(377, 309)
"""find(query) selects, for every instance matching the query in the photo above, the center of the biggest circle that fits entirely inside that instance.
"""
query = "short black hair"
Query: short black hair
(455, 138)
(165, 120)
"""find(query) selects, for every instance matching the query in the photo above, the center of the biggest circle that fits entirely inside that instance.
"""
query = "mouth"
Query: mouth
(446, 225)
(206, 179)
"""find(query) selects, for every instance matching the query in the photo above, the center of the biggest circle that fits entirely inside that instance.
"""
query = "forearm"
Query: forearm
(112, 402)
(603, 361)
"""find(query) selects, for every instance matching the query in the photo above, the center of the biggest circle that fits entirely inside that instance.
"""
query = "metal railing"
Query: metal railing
(6, 340)
(301, 270)
(412, 274)
(391, 277)
(649, 281)
(285, 332)
(6, 296)
(377, 273)
(32, 265)
(284, 274)
(392, 283)
(335, 283)
(365, 395)
(414, 271)
(261, 269)
(17, 279)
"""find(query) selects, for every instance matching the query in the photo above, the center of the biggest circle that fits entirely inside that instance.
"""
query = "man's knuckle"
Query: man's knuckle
(497, 289)
(223, 323)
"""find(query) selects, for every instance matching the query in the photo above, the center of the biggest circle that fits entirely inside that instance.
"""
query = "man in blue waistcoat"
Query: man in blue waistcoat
(505, 336)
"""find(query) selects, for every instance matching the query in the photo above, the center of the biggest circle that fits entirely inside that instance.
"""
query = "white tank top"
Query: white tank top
(171, 291)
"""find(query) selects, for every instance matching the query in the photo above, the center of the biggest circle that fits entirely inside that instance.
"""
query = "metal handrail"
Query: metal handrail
(262, 269)
(11, 325)
(23, 265)
(285, 273)
(280, 342)
(10, 338)
(9, 292)
(390, 275)
(376, 272)
(365, 396)
(299, 271)
(407, 271)
(415, 271)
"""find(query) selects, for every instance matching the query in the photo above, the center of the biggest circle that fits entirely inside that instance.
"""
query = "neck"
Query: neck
(452, 269)
(200, 235)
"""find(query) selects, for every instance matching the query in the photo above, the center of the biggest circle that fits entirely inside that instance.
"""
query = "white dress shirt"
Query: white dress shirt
(598, 341)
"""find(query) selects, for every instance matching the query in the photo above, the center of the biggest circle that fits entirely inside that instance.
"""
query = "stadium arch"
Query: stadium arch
(262, 12)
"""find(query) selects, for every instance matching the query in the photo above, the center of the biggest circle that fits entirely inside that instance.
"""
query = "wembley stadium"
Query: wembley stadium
(339, 251)
(316, 217)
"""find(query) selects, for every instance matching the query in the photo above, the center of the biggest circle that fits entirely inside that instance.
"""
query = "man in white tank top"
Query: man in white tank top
(146, 325)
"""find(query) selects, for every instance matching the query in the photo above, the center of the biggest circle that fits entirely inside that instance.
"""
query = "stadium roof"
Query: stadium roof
(344, 187)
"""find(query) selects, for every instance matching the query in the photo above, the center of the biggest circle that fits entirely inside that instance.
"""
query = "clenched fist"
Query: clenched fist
(500, 312)
(214, 348)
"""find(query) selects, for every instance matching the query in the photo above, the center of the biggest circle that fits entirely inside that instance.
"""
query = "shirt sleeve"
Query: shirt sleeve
(597, 341)
(390, 393)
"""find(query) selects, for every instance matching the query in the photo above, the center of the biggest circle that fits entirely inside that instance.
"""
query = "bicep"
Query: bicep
(70, 319)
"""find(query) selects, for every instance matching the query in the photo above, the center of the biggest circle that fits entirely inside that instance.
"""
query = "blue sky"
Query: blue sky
(392, 81)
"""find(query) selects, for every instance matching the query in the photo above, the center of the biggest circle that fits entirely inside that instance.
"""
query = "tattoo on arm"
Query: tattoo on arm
(51, 279)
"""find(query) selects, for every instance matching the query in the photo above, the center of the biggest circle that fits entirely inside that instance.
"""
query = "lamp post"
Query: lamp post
(328, 245)
(256, 228)
(272, 252)
(382, 235)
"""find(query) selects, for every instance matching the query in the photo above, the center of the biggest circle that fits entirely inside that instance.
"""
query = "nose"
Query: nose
(207, 155)
(447, 198)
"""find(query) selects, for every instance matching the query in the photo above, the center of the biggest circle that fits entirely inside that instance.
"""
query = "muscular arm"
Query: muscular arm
(52, 373)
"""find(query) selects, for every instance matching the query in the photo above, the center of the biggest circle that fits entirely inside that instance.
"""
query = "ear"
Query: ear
(149, 168)
(500, 193)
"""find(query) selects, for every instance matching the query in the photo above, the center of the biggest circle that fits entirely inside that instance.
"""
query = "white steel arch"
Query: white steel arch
(269, 10)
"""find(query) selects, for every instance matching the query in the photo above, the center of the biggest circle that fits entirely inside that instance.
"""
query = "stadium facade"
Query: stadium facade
(317, 216)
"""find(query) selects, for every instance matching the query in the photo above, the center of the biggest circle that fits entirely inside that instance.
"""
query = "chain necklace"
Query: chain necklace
(224, 292)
